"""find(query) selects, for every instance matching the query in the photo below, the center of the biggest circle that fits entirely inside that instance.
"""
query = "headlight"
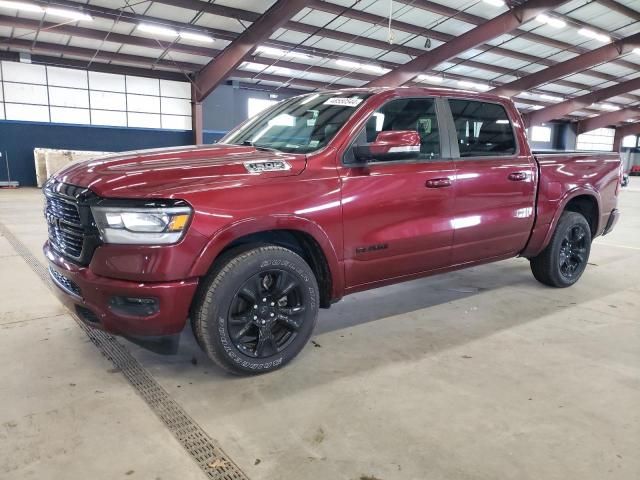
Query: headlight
(141, 225)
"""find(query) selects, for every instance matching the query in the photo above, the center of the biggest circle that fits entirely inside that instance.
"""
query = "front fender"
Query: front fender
(226, 235)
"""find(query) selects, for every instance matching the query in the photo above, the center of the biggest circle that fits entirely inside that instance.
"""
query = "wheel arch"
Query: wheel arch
(580, 200)
(300, 235)
(587, 205)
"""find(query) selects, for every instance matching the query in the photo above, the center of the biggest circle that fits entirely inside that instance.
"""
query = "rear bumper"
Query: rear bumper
(91, 297)
(611, 222)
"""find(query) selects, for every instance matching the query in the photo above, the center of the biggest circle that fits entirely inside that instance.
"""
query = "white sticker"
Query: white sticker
(344, 102)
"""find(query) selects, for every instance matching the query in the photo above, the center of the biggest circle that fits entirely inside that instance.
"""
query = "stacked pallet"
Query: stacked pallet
(48, 161)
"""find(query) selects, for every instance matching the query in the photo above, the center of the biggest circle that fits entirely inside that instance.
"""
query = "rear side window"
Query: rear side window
(483, 129)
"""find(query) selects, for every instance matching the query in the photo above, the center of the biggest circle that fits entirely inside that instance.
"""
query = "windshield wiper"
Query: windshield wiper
(249, 143)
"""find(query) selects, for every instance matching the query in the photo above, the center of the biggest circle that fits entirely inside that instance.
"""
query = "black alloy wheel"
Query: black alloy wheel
(573, 252)
(256, 309)
(266, 313)
(565, 258)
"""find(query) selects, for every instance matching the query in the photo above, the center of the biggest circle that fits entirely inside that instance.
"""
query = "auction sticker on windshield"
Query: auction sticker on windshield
(344, 102)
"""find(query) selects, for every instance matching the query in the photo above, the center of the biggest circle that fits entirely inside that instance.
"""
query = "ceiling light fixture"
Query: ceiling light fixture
(474, 85)
(348, 64)
(25, 7)
(430, 78)
(551, 21)
(281, 53)
(495, 3)
(608, 106)
(551, 98)
(636, 51)
(70, 14)
(157, 29)
(585, 32)
(363, 66)
(197, 37)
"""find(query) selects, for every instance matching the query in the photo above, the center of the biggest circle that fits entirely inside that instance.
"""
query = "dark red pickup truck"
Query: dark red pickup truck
(320, 196)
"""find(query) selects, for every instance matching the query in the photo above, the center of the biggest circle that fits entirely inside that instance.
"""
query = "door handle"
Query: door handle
(438, 183)
(518, 176)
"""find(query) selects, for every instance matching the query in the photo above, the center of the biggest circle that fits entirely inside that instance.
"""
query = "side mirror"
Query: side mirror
(390, 145)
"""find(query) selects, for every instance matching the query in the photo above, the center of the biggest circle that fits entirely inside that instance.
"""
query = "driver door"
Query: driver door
(397, 211)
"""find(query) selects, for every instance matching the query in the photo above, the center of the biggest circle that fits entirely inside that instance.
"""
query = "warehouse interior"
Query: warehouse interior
(479, 373)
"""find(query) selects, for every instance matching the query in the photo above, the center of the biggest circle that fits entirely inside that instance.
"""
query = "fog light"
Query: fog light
(135, 306)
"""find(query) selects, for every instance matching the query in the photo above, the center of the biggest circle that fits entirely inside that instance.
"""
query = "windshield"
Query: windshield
(300, 124)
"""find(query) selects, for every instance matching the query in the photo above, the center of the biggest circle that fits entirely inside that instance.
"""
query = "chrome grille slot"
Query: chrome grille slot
(66, 233)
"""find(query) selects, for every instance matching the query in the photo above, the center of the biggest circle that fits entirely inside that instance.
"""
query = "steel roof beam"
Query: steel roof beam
(90, 54)
(101, 35)
(216, 72)
(534, 37)
(621, 9)
(124, 16)
(561, 109)
(493, 28)
(582, 62)
(607, 119)
(417, 30)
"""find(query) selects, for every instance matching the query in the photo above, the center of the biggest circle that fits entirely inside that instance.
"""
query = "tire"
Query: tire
(256, 310)
(564, 260)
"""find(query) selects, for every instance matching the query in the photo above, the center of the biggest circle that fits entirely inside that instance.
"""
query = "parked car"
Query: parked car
(320, 196)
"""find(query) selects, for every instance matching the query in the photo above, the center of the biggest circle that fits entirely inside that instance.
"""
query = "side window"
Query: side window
(412, 114)
(483, 129)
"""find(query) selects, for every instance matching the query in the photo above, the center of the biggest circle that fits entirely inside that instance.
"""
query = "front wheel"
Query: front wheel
(256, 312)
(564, 260)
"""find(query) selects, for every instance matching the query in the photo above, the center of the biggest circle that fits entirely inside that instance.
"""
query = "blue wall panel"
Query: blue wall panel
(18, 139)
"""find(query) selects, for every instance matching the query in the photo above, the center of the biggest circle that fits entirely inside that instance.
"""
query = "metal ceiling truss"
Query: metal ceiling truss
(227, 61)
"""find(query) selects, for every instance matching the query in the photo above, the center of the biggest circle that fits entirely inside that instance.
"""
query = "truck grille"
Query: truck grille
(72, 232)
(65, 230)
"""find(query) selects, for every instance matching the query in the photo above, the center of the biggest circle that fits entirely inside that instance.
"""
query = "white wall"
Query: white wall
(601, 139)
(62, 95)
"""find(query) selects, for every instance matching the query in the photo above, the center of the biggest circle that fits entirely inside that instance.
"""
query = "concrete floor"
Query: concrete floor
(478, 374)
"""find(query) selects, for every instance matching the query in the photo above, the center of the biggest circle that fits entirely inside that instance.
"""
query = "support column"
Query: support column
(617, 140)
(196, 118)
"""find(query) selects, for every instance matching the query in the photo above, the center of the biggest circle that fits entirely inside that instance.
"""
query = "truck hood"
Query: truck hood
(169, 172)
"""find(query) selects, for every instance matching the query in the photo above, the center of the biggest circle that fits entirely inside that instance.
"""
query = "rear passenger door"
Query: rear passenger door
(494, 184)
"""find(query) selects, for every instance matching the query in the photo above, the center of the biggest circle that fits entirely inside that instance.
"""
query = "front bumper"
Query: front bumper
(90, 296)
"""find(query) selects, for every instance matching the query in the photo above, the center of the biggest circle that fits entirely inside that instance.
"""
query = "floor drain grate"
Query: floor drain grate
(210, 458)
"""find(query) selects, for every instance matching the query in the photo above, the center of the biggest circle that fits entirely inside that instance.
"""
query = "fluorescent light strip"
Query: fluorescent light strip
(430, 78)
(362, 66)
(197, 37)
(608, 106)
(585, 32)
(70, 14)
(78, 15)
(551, 98)
(551, 21)
(474, 85)
(25, 7)
(281, 53)
(495, 3)
(157, 29)
(636, 51)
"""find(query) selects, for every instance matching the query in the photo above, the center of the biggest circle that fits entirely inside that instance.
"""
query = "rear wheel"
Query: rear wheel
(564, 260)
(257, 311)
